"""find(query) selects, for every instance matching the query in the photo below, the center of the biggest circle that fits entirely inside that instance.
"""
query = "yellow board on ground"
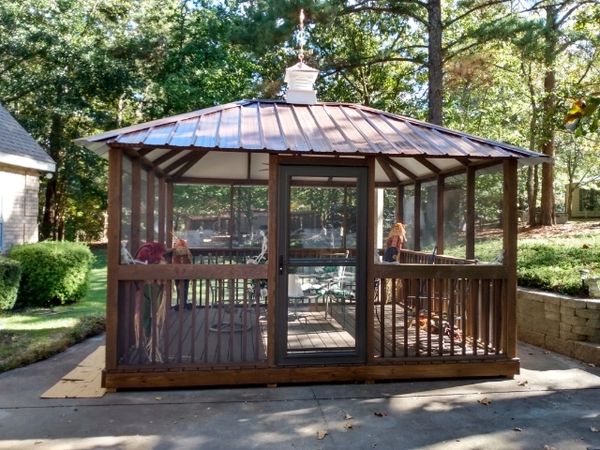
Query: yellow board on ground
(82, 382)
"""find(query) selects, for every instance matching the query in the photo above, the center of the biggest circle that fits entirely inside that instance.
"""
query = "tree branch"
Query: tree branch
(397, 11)
(472, 10)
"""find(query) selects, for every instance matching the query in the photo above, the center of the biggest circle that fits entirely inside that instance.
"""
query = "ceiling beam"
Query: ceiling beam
(180, 162)
(402, 169)
(425, 162)
(167, 156)
(144, 151)
(389, 172)
(197, 156)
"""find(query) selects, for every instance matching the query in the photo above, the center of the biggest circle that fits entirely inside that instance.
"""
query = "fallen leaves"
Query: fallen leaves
(348, 426)
(523, 382)
(484, 401)
(594, 429)
(517, 429)
(321, 434)
(347, 417)
(380, 413)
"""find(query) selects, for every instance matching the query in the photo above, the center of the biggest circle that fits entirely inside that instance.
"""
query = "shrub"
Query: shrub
(54, 273)
(555, 266)
(10, 275)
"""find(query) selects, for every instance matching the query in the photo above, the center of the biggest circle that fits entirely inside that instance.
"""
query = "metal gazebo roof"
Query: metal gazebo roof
(231, 142)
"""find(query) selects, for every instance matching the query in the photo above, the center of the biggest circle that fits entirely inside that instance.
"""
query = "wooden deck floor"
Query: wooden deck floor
(311, 330)
(221, 335)
(404, 337)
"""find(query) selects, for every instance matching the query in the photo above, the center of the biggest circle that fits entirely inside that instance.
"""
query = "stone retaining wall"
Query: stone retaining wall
(567, 325)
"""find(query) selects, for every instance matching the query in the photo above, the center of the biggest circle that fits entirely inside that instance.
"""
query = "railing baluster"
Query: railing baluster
(257, 333)
(429, 315)
(451, 310)
(232, 295)
(440, 294)
(394, 301)
(383, 301)
(244, 337)
(194, 312)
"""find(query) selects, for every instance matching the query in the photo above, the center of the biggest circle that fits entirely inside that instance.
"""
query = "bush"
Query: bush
(555, 267)
(54, 273)
(10, 275)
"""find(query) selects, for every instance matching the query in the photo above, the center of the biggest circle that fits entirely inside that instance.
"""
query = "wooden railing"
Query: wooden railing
(191, 315)
(241, 255)
(439, 311)
(417, 257)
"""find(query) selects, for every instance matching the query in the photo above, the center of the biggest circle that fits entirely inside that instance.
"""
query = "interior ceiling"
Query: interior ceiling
(232, 142)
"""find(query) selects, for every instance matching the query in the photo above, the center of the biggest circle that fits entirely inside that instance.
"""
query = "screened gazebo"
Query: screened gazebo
(305, 296)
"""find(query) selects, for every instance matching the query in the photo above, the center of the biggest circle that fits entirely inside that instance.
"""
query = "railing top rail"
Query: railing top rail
(487, 271)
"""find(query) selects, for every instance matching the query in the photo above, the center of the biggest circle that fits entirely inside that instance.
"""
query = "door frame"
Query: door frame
(361, 171)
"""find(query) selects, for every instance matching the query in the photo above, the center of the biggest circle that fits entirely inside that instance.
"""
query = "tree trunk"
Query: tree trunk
(549, 106)
(48, 225)
(569, 203)
(434, 63)
(530, 195)
(532, 172)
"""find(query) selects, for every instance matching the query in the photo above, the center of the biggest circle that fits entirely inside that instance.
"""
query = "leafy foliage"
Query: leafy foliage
(556, 267)
(10, 276)
(54, 273)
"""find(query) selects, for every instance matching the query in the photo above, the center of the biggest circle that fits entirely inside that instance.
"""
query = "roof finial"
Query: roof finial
(300, 78)
(301, 37)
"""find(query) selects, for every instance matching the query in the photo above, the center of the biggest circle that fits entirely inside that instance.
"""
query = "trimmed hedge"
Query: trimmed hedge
(10, 276)
(555, 267)
(54, 273)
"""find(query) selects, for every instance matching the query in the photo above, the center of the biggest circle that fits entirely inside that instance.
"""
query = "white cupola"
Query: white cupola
(300, 79)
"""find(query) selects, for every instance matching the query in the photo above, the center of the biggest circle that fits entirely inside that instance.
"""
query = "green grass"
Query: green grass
(32, 334)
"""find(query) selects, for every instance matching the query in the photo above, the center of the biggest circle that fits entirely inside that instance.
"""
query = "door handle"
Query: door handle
(281, 265)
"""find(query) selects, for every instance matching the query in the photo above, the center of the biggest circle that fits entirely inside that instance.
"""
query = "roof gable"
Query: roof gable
(18, 148)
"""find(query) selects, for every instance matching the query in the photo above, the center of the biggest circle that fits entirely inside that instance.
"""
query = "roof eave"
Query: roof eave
(27, 163)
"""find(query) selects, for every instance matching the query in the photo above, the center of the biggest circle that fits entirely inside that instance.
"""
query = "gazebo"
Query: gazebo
(321, 305)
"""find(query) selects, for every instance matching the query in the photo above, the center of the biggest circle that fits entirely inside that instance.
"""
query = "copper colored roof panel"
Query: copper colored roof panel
(275, 126)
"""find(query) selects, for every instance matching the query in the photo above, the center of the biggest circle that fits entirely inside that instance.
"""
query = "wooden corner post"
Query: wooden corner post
(441, 186)
(470, 214)
(510, 228)
(370, 255)
(272, 259)
(115, 162)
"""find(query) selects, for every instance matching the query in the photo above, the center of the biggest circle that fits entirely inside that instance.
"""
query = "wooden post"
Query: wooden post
(440, 214)
(470, 219)
(510, 228)
(115, 163)
(150, 206)
(272, 260)
(370, 255)
(400, 204)
(417, 217)
(136, 204)
(231, 227)
(169, 215)
(162, 201)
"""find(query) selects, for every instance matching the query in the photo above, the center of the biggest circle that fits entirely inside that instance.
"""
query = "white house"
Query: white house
(22, 162)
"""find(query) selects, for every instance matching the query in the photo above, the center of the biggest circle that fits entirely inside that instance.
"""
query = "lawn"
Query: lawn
(37, 333)
(549, 258)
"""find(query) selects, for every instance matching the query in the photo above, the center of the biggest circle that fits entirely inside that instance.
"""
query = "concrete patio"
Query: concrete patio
(553, 403)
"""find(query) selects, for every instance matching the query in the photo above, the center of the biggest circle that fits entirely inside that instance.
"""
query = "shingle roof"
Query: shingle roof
(18, 148)
(261, 126)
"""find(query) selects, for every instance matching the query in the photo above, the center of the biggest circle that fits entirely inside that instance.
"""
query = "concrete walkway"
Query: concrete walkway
(554, 403)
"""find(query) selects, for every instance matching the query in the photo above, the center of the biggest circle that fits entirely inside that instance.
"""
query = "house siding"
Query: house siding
(19, 203)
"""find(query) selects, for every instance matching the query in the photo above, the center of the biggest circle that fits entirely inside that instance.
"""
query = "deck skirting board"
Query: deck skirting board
(290, 375)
